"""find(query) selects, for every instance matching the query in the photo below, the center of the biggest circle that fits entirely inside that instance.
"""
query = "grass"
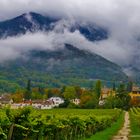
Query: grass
(108, 133)
(135, 128)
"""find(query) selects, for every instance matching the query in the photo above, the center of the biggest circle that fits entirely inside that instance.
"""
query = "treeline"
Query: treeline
(89, 97)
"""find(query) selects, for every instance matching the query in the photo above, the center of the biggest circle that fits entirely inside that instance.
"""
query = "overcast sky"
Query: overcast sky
(120, 17)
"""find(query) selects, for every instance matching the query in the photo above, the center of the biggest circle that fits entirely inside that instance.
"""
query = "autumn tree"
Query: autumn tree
(88, 100)
(78, 91)
(18, 96)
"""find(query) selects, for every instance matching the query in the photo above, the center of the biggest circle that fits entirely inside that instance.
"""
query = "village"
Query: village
(56, 101)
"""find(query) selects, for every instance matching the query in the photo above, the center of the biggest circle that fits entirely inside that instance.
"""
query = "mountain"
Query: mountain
(69, 65)
(27, 22)
(54, 68)
(33, 22)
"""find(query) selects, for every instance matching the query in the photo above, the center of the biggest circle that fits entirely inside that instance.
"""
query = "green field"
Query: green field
(135, 123)
(55, 124)
(109, 132)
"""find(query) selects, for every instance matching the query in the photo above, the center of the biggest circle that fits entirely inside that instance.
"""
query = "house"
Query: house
(37, 104)
(22, 104)
(42, 104)
(16, 105)
(5, 99)
(135, 96)
(47, 105)
(76, 101)
(56, 100)
(106, 92)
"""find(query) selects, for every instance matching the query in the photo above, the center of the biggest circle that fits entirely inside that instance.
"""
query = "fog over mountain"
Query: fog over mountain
(119, 18)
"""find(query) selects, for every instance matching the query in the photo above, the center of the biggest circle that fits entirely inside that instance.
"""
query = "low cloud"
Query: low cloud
(14, 47)
(119, 17)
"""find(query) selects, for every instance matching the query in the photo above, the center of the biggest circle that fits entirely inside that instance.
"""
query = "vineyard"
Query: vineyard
(56, 124)
(135, 123)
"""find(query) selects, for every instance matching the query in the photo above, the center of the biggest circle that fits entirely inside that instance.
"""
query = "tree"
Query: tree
(129, 86)
(18, 96)
(29, 85)
(88, 100)
(53, 92)
(114, 86)
(69, 93)
(62, 89)
(27, 94)
(98, 87)
(36, 95)
(41, 90)
(50, 94)
(121, 88)
(92, 86)
(123, 97)
(65, 104)
(78, 91)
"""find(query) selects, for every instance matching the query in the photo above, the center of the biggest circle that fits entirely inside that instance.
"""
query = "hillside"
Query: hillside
(62, 66)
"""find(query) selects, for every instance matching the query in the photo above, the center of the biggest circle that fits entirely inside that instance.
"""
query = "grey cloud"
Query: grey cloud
(13, 47)
(120, 17)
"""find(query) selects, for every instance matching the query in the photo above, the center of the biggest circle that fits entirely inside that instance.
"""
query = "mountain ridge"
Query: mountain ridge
(55, 68)
(36, 22)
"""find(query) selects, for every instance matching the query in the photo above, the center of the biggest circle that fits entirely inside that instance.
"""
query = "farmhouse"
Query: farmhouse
(42, 104)
(38, 104)
(5, 100)
(135, 96)
(76, 101)
(106, 92)
(56, 100)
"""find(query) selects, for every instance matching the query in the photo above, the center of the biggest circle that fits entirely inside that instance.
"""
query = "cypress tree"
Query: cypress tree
(98, 87)
(28, 91)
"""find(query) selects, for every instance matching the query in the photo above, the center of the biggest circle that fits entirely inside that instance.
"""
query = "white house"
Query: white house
(38, 104)
(56, 100)
(43, 104)
(76, 101)
(46, 106)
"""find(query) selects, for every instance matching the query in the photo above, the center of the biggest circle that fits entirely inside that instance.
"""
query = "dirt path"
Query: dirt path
(125, 130)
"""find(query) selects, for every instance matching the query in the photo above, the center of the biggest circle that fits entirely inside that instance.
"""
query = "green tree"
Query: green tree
(92, 86)
(124, 100)
(62, 89)
(36, 95)
(98, 86)
(27, 94)
(114, 86)
(121, 88)
(41, 90)
(29, 85)
(129, 86)
(50, 93)
(69, 93)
